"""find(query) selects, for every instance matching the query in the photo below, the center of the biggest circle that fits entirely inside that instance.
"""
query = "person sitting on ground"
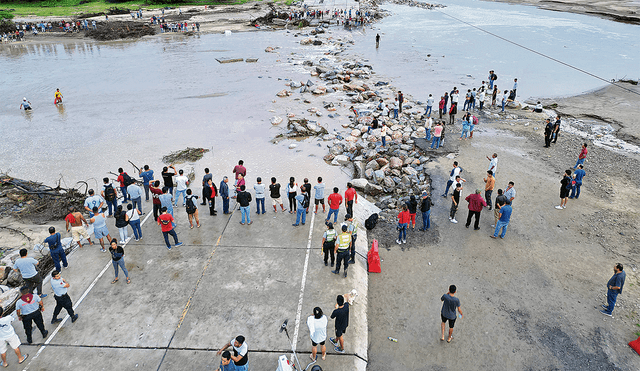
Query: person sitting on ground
(538, 108)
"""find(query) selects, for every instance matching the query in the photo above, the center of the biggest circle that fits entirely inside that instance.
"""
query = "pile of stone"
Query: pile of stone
(417, 4)
(301, 127)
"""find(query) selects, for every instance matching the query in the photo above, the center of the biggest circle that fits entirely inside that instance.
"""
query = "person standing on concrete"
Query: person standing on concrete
(455, 201)
(489, 184)
(93, 201)
(224, 194)
(452, 178)
(319, 195)
(100, 229)
(124, 179)
(329, 244)
(110, 196)
(341, 315)
(292, 192)
(240, 356)
(302, 202)
(614, 287)
(147, 178)
(156, 192)
(60, 286)
(166, 199)
(244, 199)
(476, 204)
(135, 195)
(448, 312)
(342, 250)
(239, 170)
(308, 188)
(74, 222)
(274, 192)
(167, 177)
(8, 336)
(166, 223)
(403, 222)
(205, 181)
(182, 182)
(117, 259)
(493, 164)
(210, 193)
(350, 195)
(259, 189)
(132, 216)
(29, 272)
(55, 248)
(510, 193)
(352, 229)
(425, 208)
(578, 175)
(317, 324)
(504, 210)
(29, 309)
(121, 224)
(565, 188)
(225, 362)
(191, 206)
(582, 156)
(334, 200)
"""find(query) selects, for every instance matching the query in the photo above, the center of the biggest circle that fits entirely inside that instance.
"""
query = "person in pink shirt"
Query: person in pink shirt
(239, 170)
(582, 156)
(437, 133)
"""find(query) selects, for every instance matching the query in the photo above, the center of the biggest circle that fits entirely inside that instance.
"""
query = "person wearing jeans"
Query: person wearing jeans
(147, 177)
(244, 199)
(334, 200)
(403, 222)
(181, 188)
(582, 156)
(437, 133)
(260, 189)
(505, 215)
(166, 223)
(55, 249)
(614, 287)
(301, 213)
(577, 177)
(133, 217)
(123, 187)
(135, 195)
(117, 259)
(425, 208)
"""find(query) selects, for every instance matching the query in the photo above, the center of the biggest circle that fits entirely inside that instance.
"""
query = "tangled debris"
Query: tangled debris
(186, 155)
(114, 30)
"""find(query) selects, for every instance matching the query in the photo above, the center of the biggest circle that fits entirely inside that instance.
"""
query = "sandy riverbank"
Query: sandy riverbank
(625, 11)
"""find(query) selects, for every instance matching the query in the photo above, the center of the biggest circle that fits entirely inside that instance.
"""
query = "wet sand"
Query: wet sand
(625, 11)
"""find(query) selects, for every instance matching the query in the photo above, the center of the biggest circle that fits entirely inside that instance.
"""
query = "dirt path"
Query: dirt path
(531, 300)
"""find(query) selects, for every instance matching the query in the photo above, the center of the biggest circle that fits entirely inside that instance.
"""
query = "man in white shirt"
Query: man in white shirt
(240, 354)
(452, 177)
(429, 105)
(493, 163)
(8, 336)
(317, 324)
(181, 188)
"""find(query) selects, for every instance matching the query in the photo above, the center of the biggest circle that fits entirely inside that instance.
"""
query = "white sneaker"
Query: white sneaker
(449, 218)
(564, 207)
(404, 241)
(454, 221)
(559, 207)
(398, 242)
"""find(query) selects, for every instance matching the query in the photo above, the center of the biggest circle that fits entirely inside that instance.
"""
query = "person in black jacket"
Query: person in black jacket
(425, 208)
(210, 192)
(122, 223)
(412, 205)
(244, 199)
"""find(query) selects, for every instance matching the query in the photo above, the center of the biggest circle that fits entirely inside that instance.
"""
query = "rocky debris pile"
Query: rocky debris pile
(276, 16)
(115, 30)
(186, 155)
(300, 127)
(417, 4)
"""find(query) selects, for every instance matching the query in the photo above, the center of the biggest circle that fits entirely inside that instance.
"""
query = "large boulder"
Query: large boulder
(359, 183)
(373, 189)
(358, 169)
(340, 160)
(373, 165)
(409, 171)
(395, 163)
(388, 182)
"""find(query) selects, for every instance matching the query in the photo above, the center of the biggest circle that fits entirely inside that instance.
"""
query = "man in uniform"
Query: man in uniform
(342, 250)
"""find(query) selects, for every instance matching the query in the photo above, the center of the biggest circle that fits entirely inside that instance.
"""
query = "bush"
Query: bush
(5, 15)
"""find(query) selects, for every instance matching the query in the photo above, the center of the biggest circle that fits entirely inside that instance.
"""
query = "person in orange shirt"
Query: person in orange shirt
(489, 184)
(403, 222)
(349, 196)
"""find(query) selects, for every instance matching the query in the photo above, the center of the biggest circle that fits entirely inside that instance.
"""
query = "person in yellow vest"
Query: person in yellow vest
(328, 244)
(58, 97)
(342, 250)
(352, 228)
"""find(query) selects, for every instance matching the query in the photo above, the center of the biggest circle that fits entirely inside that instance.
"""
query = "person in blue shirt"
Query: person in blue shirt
(29, 309)
(26, 105)
(577, 177)
(504, 209)
(29, 272)
(147, 177)
(60, 287)
(55, 249)
(614, 287)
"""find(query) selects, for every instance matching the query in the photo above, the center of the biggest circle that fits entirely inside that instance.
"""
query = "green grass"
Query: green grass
(66, 8)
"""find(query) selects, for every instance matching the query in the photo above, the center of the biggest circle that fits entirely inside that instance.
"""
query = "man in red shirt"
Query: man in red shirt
(166, 221)
(582, 156)
(334, 201)
(123, 187)
(155, 193)
(239, 170)
(476, 203)
(349, 196)
(403, 222)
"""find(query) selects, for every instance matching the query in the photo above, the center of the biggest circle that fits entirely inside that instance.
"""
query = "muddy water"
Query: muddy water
(140, 100)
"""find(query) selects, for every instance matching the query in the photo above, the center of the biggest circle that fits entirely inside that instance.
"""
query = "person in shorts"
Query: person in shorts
(317, 324)
(341, 314)
(448, 312)
(274, 191)
(8, 336)
(565, 189)
(100, 229)
(319, 195)
(75, 224)
(192, 208)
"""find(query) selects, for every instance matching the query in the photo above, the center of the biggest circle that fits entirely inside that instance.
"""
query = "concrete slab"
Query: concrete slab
(85, 358)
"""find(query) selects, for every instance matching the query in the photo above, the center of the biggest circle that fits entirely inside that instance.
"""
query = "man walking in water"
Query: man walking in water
(377, 40)
(58, 97)
(26, 105)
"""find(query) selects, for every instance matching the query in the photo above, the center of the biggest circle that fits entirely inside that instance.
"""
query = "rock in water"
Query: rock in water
(275, 120)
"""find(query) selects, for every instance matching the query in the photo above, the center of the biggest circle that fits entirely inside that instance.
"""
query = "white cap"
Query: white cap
(24, 98)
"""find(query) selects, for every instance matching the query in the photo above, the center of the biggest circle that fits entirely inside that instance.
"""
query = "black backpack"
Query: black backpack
(127, 180)
(109, 193)
(305, 202)
(371, 222)
(191, 207)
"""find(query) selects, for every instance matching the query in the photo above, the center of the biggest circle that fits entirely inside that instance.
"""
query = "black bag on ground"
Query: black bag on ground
(371, 222)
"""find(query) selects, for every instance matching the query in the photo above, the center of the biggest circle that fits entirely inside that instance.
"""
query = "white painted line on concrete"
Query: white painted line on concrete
(75, 306)
(302, 285)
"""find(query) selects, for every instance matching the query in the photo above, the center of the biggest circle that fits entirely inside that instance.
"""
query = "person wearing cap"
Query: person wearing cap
(352, 229)
(8, 336)
(26, 105)
(425, 208)
(29, 309)
(342, 250)
(329, 244)
(476, 203)
(60, 286)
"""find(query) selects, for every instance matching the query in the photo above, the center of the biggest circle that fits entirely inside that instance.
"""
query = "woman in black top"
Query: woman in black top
(121, 223)
(565, 187)
(292, 190)
(117, 258)
(412, 205)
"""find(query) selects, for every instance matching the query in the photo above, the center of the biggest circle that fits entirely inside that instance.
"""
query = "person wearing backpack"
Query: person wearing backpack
(110, 196)
(121, 224)
(133, 218)
(472, 125)
(124, 180)
(302, 204)
(192, 208)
